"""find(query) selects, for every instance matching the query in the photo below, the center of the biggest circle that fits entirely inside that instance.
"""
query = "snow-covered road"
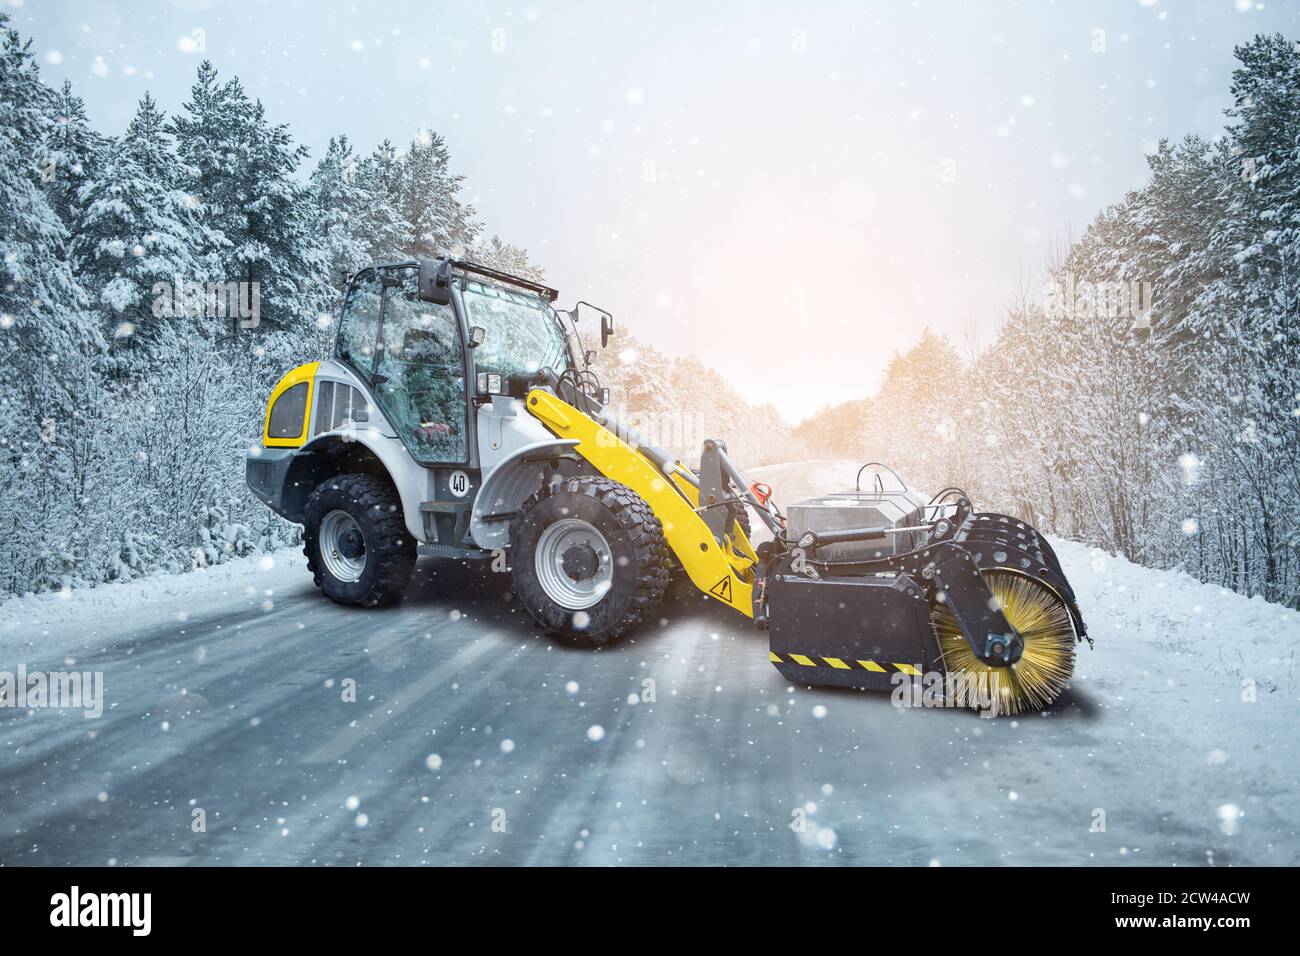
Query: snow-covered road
(473, 739)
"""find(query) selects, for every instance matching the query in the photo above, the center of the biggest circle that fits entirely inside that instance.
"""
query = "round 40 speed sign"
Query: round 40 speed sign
(458, 484)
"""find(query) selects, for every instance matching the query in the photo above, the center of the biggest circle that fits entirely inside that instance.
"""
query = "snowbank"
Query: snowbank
(59, 623)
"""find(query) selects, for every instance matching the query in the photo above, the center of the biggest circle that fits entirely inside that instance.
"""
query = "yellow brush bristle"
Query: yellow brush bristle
(1042, 619)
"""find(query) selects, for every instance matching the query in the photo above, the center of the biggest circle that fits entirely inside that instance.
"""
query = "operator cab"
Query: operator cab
(434, 340)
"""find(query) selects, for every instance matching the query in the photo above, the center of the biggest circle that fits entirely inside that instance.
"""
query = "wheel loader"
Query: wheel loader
(459, 417)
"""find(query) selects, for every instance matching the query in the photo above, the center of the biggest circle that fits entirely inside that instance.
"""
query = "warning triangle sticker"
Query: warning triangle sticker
(722, 589)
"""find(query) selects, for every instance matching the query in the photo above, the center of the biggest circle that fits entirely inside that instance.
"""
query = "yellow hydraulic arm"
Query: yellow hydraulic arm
(724, 572)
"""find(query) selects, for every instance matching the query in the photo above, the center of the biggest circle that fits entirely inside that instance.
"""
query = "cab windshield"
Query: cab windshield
(523, 334)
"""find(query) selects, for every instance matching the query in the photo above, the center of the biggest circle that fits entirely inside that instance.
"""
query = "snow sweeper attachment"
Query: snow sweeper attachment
(877, 588)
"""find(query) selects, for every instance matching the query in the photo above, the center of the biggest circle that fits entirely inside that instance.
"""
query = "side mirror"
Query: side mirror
(435, 281)
(604, 397)
(476, 336)
(360, 414)
(588, 357)
(606, 320)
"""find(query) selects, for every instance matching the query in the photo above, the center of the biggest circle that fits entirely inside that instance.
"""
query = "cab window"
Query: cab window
(335, 405)
(289, 413)
(359, 331)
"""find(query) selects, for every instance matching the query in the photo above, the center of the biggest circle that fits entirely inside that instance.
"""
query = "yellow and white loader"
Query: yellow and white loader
(460, 416)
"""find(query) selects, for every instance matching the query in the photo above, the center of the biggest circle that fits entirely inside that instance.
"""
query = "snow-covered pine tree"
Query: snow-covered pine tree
(72, 155)
(430, 199)
(137, 234)
(389, 236)
(1251, 314)
(150, 145)
(48, 344)
(340, 203)
(242, 167)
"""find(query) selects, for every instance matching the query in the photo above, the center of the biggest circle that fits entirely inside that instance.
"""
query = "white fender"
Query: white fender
(410, 477)
(513, 479)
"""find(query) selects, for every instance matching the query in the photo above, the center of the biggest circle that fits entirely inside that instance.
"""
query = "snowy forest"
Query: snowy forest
(124, 424)
(1149, 402)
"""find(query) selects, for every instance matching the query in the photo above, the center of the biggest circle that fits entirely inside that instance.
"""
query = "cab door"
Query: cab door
(419, 372)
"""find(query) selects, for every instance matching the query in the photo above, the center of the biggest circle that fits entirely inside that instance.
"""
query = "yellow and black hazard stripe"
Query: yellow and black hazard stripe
(840, 664)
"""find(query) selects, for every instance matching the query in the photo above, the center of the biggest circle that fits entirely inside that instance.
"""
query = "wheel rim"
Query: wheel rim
(574, 564)
(342, 546)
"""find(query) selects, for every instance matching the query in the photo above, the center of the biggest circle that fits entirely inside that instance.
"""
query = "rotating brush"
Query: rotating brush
(1037, 612)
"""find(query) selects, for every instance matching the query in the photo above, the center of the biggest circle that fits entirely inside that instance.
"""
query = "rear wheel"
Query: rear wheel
(588, 558)
(356, 542)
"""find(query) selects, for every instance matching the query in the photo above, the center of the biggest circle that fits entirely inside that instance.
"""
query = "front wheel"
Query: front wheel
(588, 558)
(356, 542)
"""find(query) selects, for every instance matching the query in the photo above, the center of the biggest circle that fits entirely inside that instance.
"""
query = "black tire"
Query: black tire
(741, 514)
(635, 540)
(388, 553)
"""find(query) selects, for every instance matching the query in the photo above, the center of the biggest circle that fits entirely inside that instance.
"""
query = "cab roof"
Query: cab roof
(474, 268)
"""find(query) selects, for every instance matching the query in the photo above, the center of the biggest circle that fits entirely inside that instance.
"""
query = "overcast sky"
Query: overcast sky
(789, 190)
